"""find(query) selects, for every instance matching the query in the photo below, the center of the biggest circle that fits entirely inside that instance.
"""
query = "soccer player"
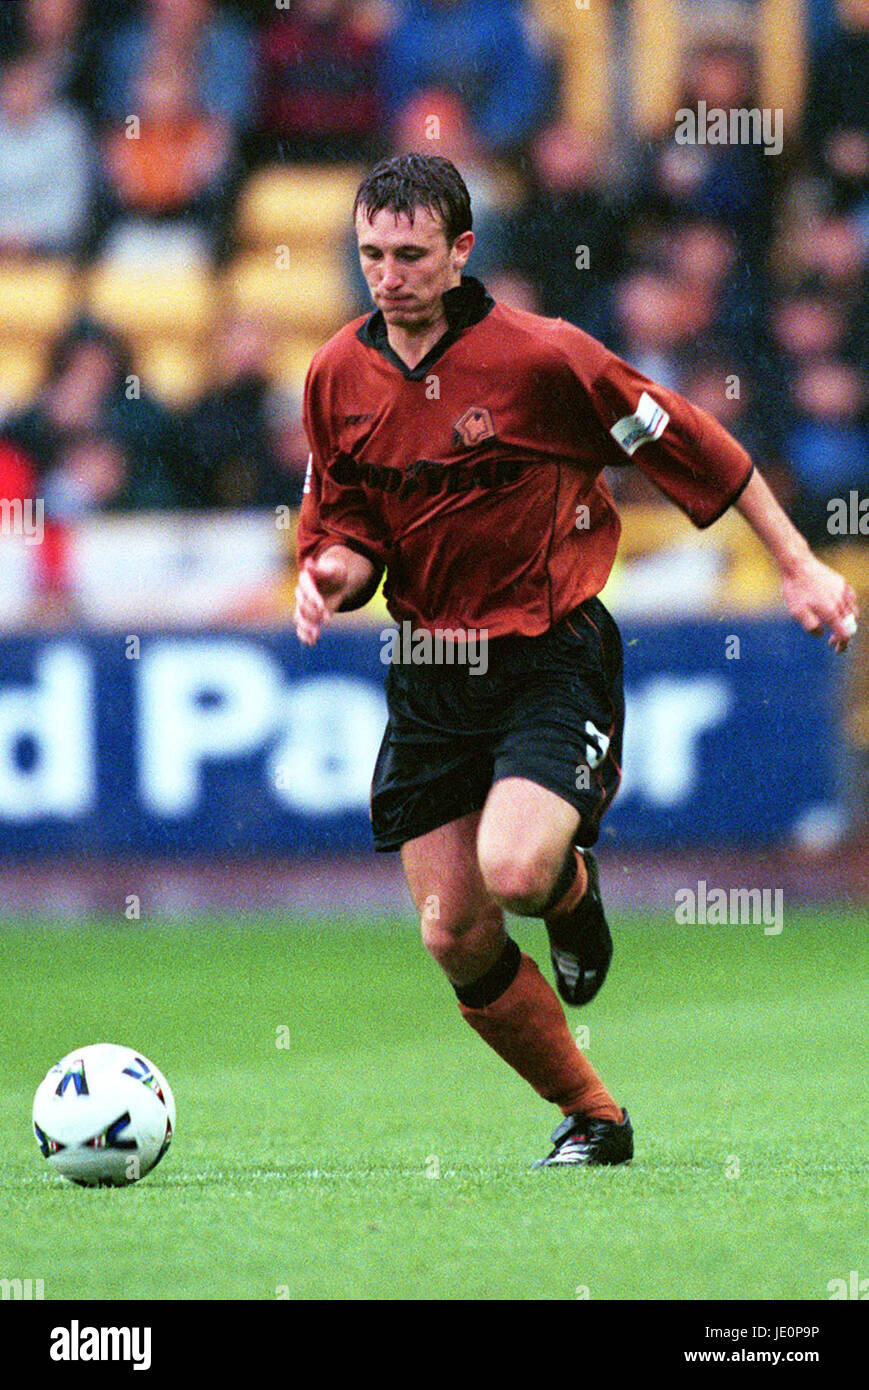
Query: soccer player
(457, 445)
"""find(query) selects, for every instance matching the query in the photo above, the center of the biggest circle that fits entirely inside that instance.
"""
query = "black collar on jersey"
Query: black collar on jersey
(464, 305)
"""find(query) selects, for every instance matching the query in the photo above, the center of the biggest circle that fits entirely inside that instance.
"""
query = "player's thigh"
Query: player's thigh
(523, 837)
(444, 876)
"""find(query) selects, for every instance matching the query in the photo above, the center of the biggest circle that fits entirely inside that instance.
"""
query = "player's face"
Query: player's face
(409, 265)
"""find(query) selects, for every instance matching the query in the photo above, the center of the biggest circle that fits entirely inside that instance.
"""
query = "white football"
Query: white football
(104, 1116)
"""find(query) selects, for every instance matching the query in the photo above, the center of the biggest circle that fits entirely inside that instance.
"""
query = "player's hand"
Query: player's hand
(321, 587)
(819, 598)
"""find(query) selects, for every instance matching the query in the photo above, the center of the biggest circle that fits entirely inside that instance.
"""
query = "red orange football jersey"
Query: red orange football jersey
(474, 479)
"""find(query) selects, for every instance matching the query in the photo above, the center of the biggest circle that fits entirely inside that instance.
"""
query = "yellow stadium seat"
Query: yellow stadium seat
(750, 581)
(649, 528)
(305, 291)
(298, 206)
(22, 368)
(291, 359)
(37, 298)
(782, 56)
(153, 303)
(173, 370)
(582, 30)
(655, 55)
(852, 560)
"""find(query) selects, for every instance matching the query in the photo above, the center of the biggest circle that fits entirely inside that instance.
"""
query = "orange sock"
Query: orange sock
(526, 1026)
(567, 902)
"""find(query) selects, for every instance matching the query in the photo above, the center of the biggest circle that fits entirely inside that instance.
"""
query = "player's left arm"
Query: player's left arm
(816, 595)
(700, 467)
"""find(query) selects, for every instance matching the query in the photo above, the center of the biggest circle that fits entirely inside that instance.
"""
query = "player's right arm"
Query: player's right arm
(336, 577)
(341, 547)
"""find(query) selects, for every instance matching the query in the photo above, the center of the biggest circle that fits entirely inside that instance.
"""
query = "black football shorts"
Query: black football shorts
(547, 708)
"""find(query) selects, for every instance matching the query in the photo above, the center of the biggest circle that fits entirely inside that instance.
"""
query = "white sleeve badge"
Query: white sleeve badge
(648, 422)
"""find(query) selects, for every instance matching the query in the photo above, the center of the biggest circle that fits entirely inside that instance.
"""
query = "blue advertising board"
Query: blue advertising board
(222, 743)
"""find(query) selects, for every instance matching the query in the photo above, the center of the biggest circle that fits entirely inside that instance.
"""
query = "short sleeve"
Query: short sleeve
(680, 448)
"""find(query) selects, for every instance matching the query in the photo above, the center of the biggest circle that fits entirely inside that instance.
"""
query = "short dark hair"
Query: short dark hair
(410, 181)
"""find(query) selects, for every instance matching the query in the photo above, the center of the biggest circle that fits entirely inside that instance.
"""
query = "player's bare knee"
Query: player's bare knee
(455, 938)
(519, 880)
(450, 952)
(442, 935)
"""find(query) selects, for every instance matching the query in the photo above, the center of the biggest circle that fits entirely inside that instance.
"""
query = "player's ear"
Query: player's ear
(461, 249)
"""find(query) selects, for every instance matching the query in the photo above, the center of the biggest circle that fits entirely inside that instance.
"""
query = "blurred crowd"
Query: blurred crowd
(736, 277)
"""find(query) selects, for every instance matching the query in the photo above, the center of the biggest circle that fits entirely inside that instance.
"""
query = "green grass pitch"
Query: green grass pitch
(384, 1152)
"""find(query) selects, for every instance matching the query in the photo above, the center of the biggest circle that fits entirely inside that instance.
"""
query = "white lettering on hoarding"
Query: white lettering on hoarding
(47, 753)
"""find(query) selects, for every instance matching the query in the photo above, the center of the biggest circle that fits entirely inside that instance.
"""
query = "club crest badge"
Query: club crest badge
(474, 426)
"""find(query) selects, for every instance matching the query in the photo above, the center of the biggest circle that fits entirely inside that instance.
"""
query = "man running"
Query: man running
(457, 446)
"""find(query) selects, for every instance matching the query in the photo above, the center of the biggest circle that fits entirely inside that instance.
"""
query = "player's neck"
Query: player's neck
(413, 344)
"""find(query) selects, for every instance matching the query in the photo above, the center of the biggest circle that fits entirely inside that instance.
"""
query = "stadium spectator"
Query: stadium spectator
(836, 121)
(821, 265)
(731, 184)
(320, 82)
(569, 208)
(167, 181)
(648, 325)
(18, 483)
(808, 323)
(56, 32)
(486, 52)
(828, 440)
(831, 249)
(91, 473)
(197, 33)
(437, 122)
(45, 164)
(719, 294)
(231, 433)
(837, 255)
(91, 398)
(17, 477)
